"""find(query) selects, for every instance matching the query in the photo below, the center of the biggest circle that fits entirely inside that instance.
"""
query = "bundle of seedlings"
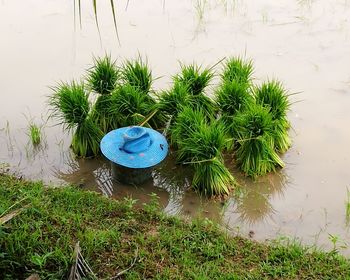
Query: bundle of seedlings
(70, 105)
(102, 78)
(137, 74)
(186, 123)
(239, 70)
(232, 98)
(129, 106)
(274, 98)
(255, 153)
(201, 144)
(196, 81)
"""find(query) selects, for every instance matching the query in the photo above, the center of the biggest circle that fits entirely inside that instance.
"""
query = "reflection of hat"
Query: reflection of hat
(134, 147)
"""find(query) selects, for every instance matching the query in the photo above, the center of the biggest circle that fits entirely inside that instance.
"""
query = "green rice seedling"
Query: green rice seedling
(255, 154)
(212, 178)
(70, 105)
(137, 74)
(274, 97)
(86, 139)
(239, 70)
(130, 106)
(34, 134)
(173, 101)
(100, 113)
(103, 75)
(186, 123)
(233, 97)
(194, 78)
(202, 147)
(347, 207)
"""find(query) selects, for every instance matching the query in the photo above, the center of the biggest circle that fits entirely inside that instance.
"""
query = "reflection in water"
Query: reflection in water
(252, 204)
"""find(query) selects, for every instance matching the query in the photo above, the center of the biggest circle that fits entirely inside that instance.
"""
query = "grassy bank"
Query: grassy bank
(115, 236)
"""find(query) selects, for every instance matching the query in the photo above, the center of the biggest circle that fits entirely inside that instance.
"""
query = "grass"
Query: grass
(194, 78)
(201, 144)
(239, 70)
(347, 207)
(34, 133)
(130, 106)
(137, 74)
(70, 106)
(274, 97)
(103, 76)
(114, 235)
(255, 154)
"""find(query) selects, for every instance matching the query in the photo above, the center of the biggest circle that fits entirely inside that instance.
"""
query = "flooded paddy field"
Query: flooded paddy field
(306, 44)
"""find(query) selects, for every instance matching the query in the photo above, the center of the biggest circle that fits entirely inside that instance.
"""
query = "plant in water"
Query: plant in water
(186, 124)
(137, 74)
(173, 101)
(34, 134)
(274, 97)
(130, 106)
(103, 75)
(255, 154)
(102, 79)
(70, 105)
(347, 207)
(202, 147)
(233, 97)
(239, 70)
(194, 78)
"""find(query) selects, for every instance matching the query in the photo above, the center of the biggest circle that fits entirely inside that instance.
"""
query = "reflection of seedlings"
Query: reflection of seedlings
(10, 145)
(265, 16)
(200, 6)
(347, 207)
(253, 206)
(104, 181)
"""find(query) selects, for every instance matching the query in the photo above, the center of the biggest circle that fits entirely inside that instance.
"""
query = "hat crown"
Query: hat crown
(136, 140)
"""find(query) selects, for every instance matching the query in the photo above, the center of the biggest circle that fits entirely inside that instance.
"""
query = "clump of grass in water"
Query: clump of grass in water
(173, 101)
(137, 74)
(130, 106)
(70, 106)
(255, 154)
(103, 75)
(34, 134)
(239, 70)
(232, 98)
(196, 81)
(201, 144)
(102, 79)
(274, 97)
(347, 207)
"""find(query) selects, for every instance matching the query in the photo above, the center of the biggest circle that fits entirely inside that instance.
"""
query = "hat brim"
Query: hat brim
(113, 141)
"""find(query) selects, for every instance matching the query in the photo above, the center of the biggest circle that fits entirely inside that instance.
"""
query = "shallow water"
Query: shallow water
(304, 43)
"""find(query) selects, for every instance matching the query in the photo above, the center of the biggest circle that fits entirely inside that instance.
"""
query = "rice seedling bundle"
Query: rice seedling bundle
(129, 106)
(194, 78)
(70, 105)
(103, 75)
(256, 154)
(274, 97)
(137, 74)
(239, 70)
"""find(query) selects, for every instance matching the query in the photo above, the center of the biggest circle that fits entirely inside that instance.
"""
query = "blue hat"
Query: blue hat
(134, 147)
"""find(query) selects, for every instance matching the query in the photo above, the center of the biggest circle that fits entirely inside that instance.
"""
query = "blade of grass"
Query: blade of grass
(115, 21)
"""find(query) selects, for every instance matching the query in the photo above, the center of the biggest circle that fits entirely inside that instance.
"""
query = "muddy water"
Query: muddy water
(306, 44)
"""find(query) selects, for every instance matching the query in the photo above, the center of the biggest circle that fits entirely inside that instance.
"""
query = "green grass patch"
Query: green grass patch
(41, 239)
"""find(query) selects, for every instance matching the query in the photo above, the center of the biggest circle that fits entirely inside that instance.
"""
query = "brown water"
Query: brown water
(304, 43)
